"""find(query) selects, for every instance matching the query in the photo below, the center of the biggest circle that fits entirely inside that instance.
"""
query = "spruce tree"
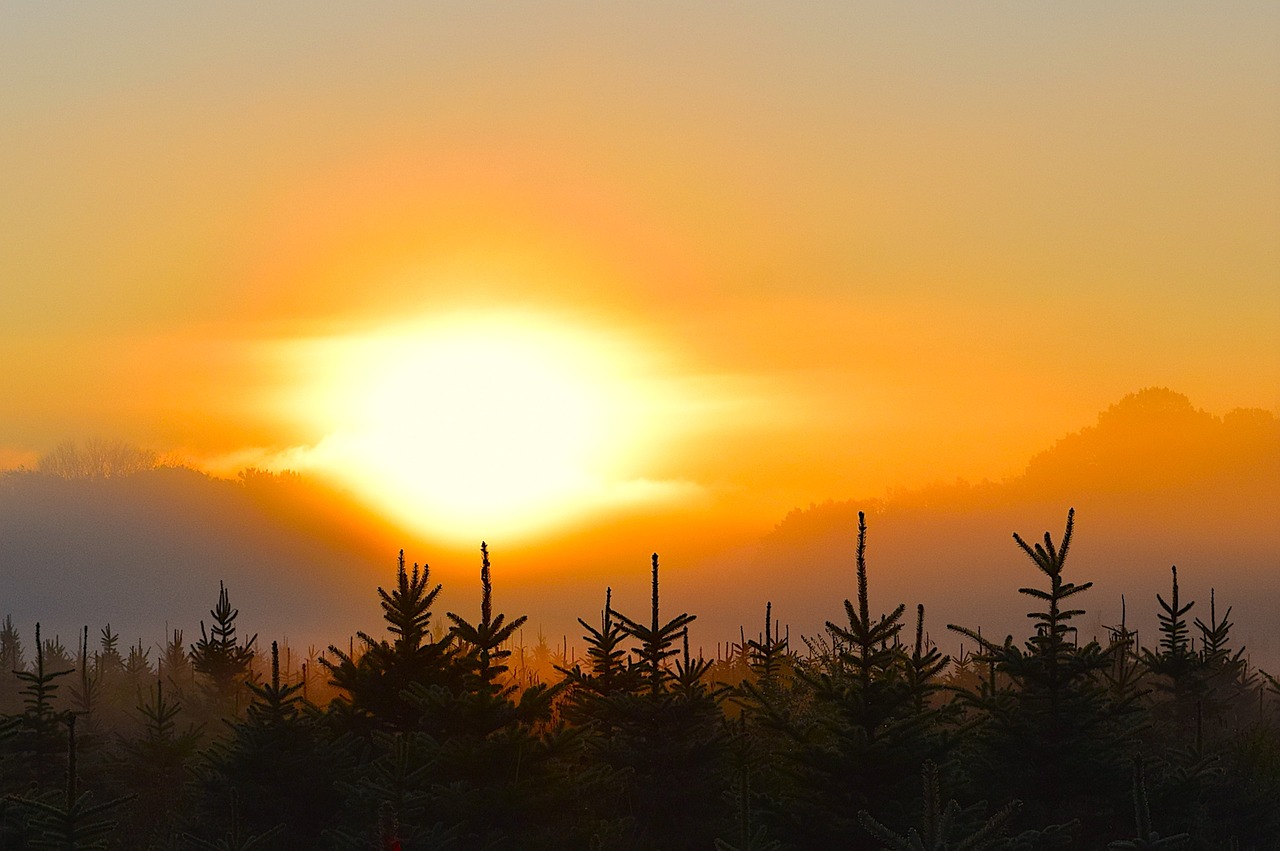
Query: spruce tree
(871, 725)
(237, 837)
(389, 800)
(1148, 839)
(12, 660)
(942, 826)
(608, 671)
(1178, 682)
(656, 639)
(503, 771)
(154, 765)
(769, 657)
(224, 661)
(41, 722)
(1053, 734)
(483, 642)
(665, 740)
(376, 680)
(77, 824)
(282, 763)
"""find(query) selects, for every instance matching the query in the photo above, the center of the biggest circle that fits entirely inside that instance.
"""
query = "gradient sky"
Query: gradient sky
(818, 249)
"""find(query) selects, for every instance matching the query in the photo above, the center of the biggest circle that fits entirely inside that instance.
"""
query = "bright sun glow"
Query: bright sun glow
(468, 426)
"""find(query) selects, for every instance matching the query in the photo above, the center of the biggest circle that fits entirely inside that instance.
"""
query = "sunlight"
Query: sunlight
(469, 425)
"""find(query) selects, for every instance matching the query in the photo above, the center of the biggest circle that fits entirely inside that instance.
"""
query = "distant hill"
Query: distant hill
(149, 547)
(1155, 482)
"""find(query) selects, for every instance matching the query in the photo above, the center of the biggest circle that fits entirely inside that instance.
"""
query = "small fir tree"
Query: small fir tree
(41, 722)
(77, 824)
(282, 762)
(376, 681)
(220, 657)
(1055, 735)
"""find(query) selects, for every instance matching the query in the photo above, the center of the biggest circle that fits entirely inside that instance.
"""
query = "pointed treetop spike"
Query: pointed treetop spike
(655, 593)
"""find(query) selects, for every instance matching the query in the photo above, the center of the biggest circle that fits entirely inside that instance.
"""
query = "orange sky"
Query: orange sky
(803, 250)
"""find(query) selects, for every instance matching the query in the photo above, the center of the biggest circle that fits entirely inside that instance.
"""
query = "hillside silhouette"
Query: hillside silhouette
(1155, 482)
(150, 546)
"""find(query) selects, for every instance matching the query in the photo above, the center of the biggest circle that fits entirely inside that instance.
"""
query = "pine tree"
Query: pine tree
(223, 660)
(940, 822)
(871, 727)
(483, 642)
(1178, 677)
(41, 723)
(282, 763)
(1229, 685)
(154, 765)
(608, 671)
(86, 694)
(656, 639)
(1054, 736)
(237, 838)
(769, 657)
(665, 741)
(1147, 839)
(77, 824)
(12, 660)
(396, 786)
(376, 681)
(502, 769)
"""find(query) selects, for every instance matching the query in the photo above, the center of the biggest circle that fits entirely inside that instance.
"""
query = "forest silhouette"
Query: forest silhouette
(437, 736)
(1138, 722)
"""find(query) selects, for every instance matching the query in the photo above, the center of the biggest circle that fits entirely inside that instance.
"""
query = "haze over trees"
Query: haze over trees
(1130, 707)
(1197, 490)
(459, 736)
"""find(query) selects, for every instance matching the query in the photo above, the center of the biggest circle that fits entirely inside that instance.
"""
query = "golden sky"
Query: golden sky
(758, 253)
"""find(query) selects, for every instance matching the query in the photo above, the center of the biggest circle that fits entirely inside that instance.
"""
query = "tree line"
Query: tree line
(865, 736)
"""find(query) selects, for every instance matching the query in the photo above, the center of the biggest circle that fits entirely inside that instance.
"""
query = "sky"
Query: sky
(717, 258)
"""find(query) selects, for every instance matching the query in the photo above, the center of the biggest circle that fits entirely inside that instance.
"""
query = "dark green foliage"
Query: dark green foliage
(237, 837)
(439, 742)
(940, 824)
(872, 724)
(656, 729)
(1054, 735)
(153, 765)
(1147, 839)
(220, 657)
(281, 762)
(376, 680)
(77, 824)
(750, 836)
(391, 797)
(40, 737)
(483, 642)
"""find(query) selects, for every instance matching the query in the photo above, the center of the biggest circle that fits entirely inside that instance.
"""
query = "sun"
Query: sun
(465, 426)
